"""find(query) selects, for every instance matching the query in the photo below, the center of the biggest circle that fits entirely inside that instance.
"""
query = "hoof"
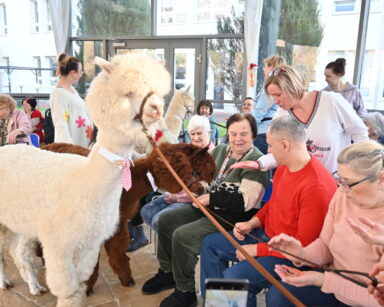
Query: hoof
(89, 292)
(130, 283)
(6, 285)
(38, 290)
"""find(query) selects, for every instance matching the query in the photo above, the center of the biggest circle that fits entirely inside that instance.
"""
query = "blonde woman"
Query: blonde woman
(329, 120)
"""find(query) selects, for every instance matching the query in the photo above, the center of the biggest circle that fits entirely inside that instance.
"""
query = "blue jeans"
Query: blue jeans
(216, 251)
(261, 143)
(154, 209)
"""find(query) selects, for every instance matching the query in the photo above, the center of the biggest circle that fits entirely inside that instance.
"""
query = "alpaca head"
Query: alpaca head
(193, 164)
(189, 99)
(115, 95)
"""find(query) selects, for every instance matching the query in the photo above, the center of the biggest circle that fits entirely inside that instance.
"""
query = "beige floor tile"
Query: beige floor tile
(108, 291)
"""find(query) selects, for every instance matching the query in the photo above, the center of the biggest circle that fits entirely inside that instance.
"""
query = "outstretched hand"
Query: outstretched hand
(373, 233)
(246, 165)
(299, 278)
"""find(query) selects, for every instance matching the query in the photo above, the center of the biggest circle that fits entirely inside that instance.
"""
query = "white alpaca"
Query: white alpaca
(71, 203)
(182, 102)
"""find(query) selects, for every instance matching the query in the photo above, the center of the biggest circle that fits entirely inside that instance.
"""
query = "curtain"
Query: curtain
(60, 10)
(252, 23)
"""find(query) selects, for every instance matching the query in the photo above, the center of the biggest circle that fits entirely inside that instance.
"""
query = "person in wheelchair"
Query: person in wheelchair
(13, 123)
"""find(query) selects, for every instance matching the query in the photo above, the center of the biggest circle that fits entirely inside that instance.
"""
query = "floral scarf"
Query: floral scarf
(3, 131)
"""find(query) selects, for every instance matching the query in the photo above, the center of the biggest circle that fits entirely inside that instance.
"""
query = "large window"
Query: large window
(372, 77)
(111, 18)
(225, 69)
(86, 51)
(310, 34)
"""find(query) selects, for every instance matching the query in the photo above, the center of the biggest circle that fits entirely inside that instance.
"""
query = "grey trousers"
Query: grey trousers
(180, 234)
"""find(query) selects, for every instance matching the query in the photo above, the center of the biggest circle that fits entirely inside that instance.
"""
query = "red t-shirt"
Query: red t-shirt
(298, 204)
(39, 127)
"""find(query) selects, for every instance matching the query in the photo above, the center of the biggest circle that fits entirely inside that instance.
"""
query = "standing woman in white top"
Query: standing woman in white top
(69, 112)
(329, 120)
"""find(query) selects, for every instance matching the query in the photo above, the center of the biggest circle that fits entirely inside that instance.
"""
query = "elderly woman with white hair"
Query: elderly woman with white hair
(375, 123)
(199, 131)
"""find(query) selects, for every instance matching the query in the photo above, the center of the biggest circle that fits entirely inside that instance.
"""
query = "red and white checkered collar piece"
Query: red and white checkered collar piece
(121, 163)
(116, 160)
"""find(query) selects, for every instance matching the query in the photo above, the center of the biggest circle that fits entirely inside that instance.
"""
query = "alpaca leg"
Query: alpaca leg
(4, 281)
(22, 251)
(92, 280)
(118, 260)
(88, 257)
(77, 299)
(60, 271)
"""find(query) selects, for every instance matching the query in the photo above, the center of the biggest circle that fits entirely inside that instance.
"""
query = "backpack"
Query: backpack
(48, 127)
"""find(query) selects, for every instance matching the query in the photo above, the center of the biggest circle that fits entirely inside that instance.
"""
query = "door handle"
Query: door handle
(199, 58)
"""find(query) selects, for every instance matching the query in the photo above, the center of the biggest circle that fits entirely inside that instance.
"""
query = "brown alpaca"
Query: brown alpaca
(191, 163)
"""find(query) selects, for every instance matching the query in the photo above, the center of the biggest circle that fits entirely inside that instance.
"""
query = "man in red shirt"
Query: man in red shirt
(302, 191)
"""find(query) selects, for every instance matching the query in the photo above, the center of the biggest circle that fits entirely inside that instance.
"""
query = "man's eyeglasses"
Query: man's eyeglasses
(340, 181)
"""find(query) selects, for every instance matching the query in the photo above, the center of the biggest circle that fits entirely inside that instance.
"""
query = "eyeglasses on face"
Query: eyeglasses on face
(340, 181)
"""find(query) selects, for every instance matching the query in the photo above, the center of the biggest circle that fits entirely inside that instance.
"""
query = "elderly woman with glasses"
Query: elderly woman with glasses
(330, 121)
(360, 176)
(13, 122)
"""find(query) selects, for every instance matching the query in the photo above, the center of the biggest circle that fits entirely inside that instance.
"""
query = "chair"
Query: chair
(268, 192)
(35, 139)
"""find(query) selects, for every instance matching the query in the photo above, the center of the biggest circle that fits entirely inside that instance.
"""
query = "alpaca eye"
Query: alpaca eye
(196, 173)
(129, 94)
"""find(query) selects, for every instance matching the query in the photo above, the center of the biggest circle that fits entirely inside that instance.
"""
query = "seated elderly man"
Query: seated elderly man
(234, 195)
(302, 190)
(199, 130)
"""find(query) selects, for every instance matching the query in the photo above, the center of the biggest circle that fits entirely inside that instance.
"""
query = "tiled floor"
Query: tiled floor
(107, 292)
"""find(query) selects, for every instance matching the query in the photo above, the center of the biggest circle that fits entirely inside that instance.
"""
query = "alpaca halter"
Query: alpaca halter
(139, 116)
(121, 163)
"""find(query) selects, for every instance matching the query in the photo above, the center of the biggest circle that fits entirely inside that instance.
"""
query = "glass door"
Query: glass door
(182, 58)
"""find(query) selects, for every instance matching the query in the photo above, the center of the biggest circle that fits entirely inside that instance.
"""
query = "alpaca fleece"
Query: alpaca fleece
(73, 204)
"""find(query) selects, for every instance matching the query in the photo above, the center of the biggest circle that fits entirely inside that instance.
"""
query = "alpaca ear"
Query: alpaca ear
(104, 64)
(163, 62)
(187, 89)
